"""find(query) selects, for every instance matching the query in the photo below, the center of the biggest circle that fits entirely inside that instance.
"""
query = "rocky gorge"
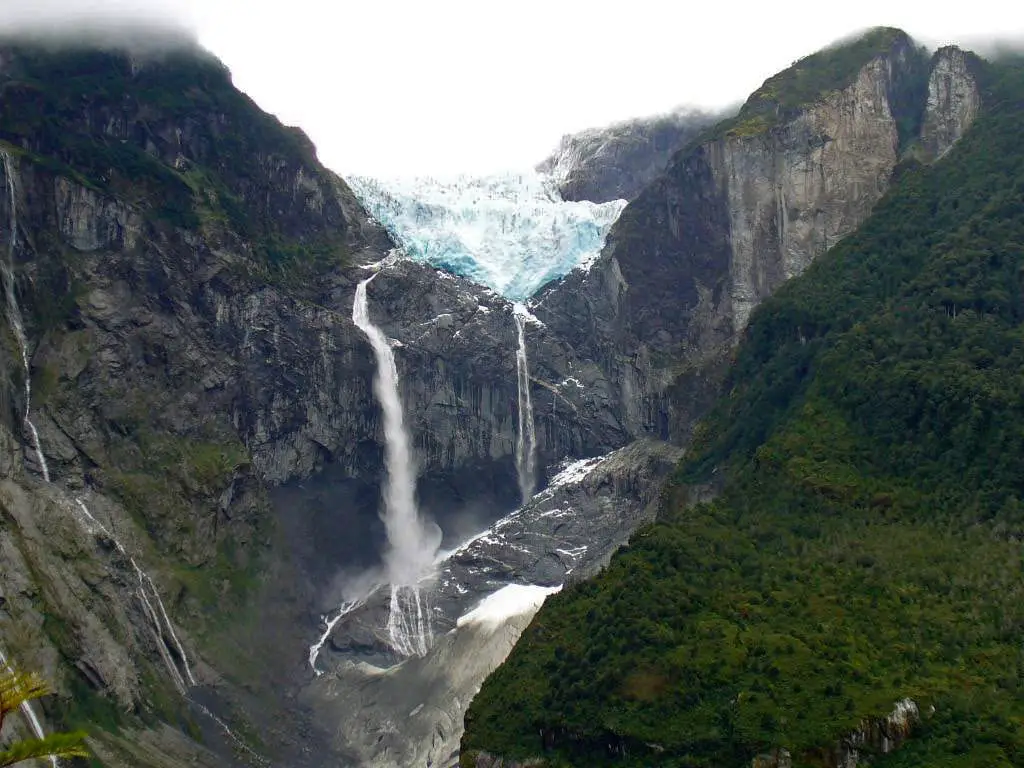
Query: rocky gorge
(210, 450)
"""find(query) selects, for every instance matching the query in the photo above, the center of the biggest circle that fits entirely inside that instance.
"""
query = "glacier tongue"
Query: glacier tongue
(511, 232)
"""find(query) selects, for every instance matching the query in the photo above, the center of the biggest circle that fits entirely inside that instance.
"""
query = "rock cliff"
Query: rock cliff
(618, 161)
(747, 207)
(184, 271)
(953, 100)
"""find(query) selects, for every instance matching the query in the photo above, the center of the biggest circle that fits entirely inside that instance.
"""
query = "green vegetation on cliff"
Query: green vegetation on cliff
(866, 545)
(783, 96)
(169, 134)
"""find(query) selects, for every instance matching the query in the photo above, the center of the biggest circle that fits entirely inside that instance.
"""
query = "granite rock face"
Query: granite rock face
(732, 219)
(953, 100)
(395, 713)
(618, 161)
(186, 269)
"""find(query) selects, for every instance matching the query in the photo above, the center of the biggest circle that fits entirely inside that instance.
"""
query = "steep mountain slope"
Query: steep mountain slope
(191, 452)
(748, 205)
(153, 220)
(190, 448)
(618, 161)
(857, 581)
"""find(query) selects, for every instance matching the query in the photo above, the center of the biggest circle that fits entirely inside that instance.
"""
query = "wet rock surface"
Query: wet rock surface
(408, 712)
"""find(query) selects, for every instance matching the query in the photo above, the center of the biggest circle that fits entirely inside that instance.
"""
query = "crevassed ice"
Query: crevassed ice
(511, 232)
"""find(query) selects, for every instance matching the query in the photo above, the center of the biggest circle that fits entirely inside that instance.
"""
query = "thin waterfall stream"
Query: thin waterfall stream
(14, 317)
(526, 438)
(160, 623)
(167, 642)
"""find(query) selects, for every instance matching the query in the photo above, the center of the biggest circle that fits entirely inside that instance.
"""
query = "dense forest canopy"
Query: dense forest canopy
(866, 546)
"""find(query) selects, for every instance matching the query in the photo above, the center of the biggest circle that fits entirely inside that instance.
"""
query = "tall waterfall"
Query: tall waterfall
(412, 543)
(14, 313)
(526, 438)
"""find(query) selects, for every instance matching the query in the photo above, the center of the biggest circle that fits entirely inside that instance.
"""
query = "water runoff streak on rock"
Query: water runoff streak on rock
(14, 313)
(526, 438)
(18, 329)
(146, 586)
(159, 623)
(412, 543)
(160, 626)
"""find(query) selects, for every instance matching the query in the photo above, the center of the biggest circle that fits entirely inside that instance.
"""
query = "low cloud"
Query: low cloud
(120, 23)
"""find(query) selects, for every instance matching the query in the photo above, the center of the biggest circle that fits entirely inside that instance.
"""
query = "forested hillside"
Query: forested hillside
(866, 545)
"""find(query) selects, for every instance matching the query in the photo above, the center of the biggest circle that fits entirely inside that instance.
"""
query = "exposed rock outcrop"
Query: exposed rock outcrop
(877, 736)
(411, 714)
(730, 221)
(953, 100)
(186, 270)
(618, 161)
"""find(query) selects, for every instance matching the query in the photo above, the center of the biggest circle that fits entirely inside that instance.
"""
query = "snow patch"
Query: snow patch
(575, 553)
(511, 600)
(575, 472)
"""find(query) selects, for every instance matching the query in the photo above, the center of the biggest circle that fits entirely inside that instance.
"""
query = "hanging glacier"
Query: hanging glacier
(511, 232)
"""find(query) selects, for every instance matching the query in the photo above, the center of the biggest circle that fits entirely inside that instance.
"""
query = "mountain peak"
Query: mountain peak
(830, 69)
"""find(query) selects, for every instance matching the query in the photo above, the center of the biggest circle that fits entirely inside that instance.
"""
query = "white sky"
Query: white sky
(402, 87)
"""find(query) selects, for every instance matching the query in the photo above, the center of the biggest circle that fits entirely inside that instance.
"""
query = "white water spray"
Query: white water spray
(29, 713)
(526, 438)
(409, 620)
(14, 313)
(412, 543)
(159, 622)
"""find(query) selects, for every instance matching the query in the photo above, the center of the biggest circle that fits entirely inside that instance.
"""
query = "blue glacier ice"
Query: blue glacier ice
(511, 232)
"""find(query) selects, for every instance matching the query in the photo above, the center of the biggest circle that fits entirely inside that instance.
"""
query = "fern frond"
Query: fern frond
(17, 687)
(56, 744)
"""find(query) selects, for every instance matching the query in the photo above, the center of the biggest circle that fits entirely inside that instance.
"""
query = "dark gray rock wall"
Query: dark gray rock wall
(618, 161)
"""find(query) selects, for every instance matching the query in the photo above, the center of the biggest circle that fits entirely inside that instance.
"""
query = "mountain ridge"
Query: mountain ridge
(186, 270)
(863, 455)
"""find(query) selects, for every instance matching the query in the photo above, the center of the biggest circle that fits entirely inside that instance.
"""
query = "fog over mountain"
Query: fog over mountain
(114, 22)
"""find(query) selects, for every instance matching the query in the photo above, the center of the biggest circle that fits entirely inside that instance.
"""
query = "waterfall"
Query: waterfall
(412, 543)
(526, 438)
(18, 329)
(29, 713)
(159, 622)
(14, 314)
(409, 621)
